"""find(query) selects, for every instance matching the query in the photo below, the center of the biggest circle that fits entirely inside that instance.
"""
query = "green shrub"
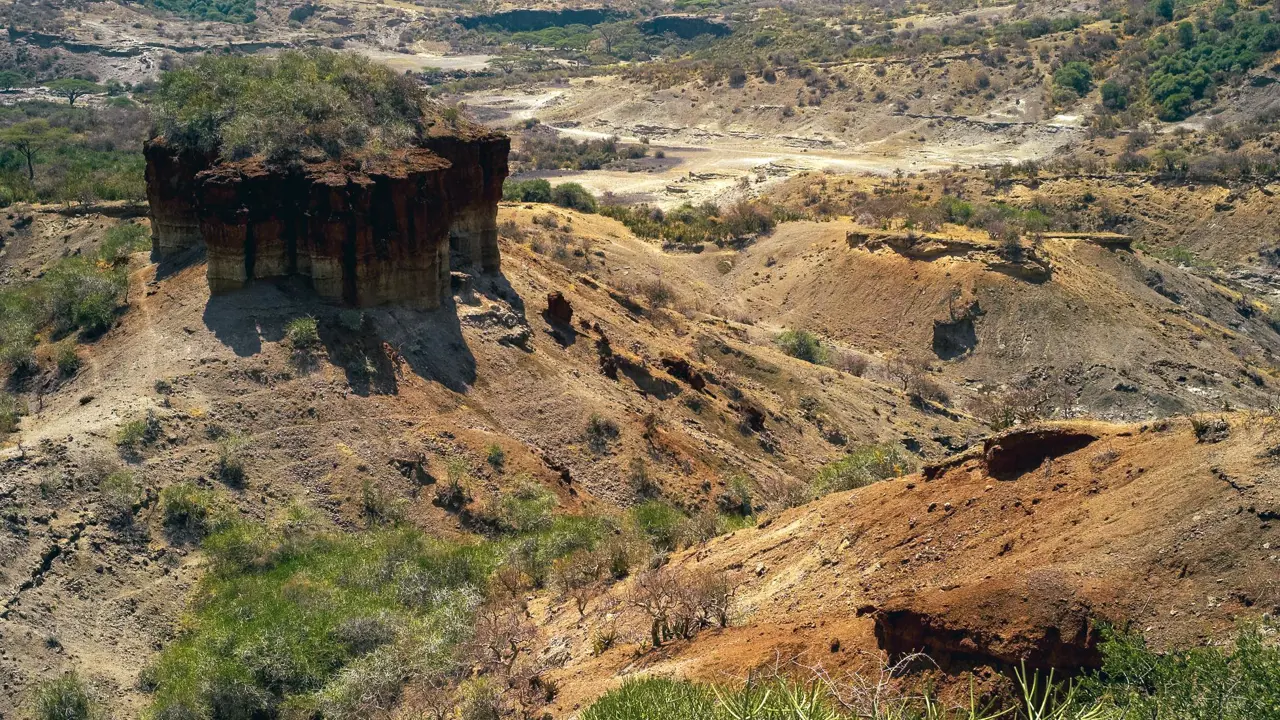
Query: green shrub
(11, 409)
(352, 320)
(1236, 681)
(803, 345)
(81, 296)
(131, 435)
(862, 466)
(695, 224)
(65, 698)
(1189, 66)
(661, 523)
(335, 623)
(496, 457)
(526, 191)
(821, 698)
(229, 466)
(135, 434)
(187, 511)
(534, 553)
(955, 210)
(574, 197)
(379, 506)
(656, 697)
(529, 508)
(74, 294)
(67, 359)
(120, 493)
(122, 241)
(290, 103)
(242, 11)
(302, 333)
(543, 150)
(1075, 76)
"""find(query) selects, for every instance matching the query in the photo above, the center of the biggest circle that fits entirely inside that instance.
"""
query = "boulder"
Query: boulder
(558, 308)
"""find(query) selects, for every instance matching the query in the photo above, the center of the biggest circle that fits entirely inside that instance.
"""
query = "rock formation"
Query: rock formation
(364, 230)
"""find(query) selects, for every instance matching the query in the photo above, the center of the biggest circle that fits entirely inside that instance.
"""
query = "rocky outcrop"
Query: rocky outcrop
(1014, 259)
(1040, 623)
(1021, 449)
(362, 230)
(171, 192)
(479, 167)
(558, 308)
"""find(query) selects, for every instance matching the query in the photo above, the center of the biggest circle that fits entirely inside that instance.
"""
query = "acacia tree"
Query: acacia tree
(10, 80)
(73, 88)
(31, 137)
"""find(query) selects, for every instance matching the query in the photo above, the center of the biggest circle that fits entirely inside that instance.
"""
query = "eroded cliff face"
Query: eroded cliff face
(171, 191)
(363, 231)
(475, 187)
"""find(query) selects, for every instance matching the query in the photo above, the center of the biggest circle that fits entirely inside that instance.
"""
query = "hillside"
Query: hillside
(987, 559)
(392, 396)
(715, 360)
(489, 370)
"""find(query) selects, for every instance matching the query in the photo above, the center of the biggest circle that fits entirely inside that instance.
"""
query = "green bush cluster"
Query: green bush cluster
(863, 465)
(302, 333)
(77, 294)
(1235, 681)
(1075, 76)
(550, 151)
(58, 153)
(188, 511)
(573, 196)
(300, 622)
(64, 698)
(122, 241)
(803, 345)
(242, 11)
(567, 195)
(693, 225)
(533, 554)
(281, 106)
(1193, 59)
(11, 409)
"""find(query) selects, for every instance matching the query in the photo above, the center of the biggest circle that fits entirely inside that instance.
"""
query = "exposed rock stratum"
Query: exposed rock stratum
(362, 230)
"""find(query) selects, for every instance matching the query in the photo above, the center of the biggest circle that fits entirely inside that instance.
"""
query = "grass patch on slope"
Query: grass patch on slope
(319, 622)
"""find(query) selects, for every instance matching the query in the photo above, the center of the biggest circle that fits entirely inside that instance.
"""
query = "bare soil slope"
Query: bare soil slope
(1018, 552)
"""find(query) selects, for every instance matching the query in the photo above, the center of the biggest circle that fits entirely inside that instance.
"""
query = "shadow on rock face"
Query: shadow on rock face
(372, 345)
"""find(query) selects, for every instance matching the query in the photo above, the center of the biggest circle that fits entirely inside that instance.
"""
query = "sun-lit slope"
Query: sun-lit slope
(1130, 335)
(989, 560)
(382, 395)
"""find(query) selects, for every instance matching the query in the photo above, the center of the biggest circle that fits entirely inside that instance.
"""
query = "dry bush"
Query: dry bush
(679, 603)
(849, 362)
(780, 492)
(503, 632)
(579, 576)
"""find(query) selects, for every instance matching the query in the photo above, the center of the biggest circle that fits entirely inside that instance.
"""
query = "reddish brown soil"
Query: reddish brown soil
(1144, 525)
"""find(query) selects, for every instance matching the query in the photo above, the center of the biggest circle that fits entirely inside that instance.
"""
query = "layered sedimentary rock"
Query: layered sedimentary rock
(363, 230)
(475, 187)
(171, 190)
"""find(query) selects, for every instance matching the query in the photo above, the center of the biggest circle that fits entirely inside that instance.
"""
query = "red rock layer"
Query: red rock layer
(364, 231)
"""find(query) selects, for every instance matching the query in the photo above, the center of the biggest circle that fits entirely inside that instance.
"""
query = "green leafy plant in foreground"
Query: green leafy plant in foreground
(318, 622)
(1237, 681)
